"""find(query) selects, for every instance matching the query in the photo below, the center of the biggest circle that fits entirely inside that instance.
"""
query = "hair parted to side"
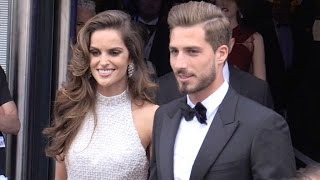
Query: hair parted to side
(78, 94)
(215, 24)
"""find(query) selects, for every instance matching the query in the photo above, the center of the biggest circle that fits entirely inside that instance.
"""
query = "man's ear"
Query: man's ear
(222, 54)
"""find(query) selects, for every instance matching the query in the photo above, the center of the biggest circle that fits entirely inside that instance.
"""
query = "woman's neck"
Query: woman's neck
(233, 22)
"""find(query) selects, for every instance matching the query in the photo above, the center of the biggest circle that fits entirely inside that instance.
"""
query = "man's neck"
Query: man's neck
(203, 94)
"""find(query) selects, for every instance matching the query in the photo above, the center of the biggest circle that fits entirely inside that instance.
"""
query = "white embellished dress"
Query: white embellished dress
(113, 150)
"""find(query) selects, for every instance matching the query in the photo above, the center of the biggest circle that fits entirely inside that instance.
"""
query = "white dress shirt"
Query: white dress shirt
(226, 72)
(191, 134)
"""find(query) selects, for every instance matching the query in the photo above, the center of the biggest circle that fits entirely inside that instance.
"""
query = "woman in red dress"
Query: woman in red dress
(248, 51)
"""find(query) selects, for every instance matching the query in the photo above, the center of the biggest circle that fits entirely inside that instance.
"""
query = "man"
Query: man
(244, 83)
(86, 9)
(151, 14)
(9, 122)
(235, 138)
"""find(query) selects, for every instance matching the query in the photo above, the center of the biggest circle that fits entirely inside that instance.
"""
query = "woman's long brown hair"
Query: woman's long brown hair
(77, 96)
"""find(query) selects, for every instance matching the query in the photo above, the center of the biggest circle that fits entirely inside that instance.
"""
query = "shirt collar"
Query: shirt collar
(152, 22)
(226, 72)
(213, 101)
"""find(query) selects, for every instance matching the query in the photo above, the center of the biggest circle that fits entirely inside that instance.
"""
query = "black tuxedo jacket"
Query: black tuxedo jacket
(243, 82)
(245, 141)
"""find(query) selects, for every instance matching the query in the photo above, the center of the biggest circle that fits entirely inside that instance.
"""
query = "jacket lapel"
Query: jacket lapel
(219, 133)
(167, 140)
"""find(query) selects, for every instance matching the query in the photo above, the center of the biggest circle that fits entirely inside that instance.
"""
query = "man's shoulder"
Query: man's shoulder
(249, 78)
(171, 106)
(250, 110)
(247, 103)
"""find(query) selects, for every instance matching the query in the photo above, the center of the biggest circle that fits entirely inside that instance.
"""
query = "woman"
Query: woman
(248, 51)
(103, 114)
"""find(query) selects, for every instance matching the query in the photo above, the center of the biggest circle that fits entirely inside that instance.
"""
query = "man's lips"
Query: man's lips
(183, 77)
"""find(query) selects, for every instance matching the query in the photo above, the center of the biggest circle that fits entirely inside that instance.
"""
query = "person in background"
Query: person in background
(281, 21)
(213, 133)
(103, 114)
(248, 53)
(141, 29)
(9, 121)
(152, 15)
(86, 9)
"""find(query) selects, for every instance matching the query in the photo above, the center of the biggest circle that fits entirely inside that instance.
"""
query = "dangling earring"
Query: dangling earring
(130, 69)
(240, 14)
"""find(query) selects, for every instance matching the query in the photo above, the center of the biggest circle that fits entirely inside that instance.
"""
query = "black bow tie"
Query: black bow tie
(199, 111)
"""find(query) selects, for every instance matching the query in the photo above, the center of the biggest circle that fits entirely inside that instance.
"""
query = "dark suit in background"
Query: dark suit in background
(157, 42)
(159, 54)
(238, 146)
(243, 82)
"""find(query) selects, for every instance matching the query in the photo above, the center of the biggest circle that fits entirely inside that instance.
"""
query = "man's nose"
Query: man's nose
(181, 61)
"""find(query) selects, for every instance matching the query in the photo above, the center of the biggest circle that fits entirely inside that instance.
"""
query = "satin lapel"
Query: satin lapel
(222, 128)
(167, 139)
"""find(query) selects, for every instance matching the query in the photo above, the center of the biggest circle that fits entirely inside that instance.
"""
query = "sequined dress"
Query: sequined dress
(114, 151)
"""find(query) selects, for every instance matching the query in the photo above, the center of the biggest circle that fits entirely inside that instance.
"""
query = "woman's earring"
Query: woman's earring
(130, 69)
(240, 14)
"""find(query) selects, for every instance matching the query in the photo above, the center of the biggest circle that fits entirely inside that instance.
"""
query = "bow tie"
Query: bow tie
(199, 111)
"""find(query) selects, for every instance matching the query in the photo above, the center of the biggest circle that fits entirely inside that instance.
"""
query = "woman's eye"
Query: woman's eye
(94, 53)
(114, 53)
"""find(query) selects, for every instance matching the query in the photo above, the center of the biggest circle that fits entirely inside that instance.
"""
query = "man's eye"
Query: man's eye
(193, 52)
(173, 52)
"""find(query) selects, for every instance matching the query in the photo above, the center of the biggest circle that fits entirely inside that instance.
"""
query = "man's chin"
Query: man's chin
(184, 89)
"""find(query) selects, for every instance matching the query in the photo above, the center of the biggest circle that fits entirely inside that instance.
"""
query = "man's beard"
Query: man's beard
(202, 83)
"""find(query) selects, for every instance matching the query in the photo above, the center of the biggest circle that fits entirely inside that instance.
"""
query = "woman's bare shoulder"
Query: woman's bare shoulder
(150, 106)
(257, 36)
(145, 109)
(148, 109)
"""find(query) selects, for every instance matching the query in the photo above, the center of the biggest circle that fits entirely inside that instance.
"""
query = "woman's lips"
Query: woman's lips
(105, 72)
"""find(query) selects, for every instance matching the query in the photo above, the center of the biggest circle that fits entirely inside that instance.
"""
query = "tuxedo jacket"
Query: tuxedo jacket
(243, 82)
(245, 141)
